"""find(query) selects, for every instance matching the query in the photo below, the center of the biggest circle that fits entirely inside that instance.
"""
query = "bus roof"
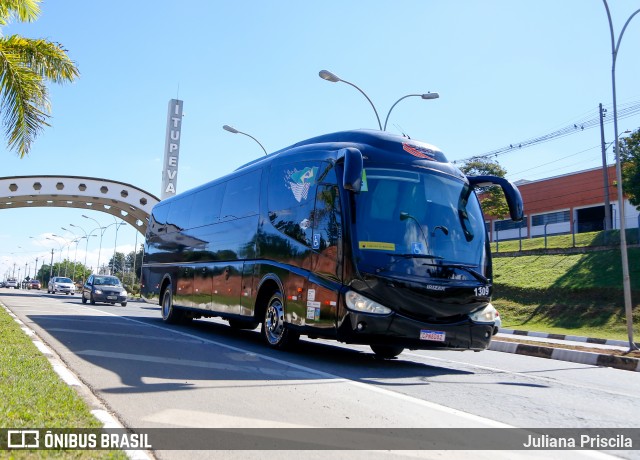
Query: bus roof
(379, 144)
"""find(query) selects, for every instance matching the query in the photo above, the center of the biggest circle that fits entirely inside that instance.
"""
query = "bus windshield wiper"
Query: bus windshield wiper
(397, 257)
(466, 267)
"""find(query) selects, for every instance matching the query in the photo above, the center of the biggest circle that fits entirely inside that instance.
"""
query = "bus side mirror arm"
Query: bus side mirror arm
(511, 193)
(352, 158)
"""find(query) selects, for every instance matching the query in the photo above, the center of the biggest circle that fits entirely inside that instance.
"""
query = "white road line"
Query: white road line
(525, 375)
(335, 378)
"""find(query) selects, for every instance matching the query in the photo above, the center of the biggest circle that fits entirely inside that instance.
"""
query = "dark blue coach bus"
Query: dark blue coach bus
(361, 236)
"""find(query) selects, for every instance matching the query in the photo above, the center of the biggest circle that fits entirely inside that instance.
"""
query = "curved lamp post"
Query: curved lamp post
(628, 305)
(115, 244)
(231, 129)
(326, 75)
(102, 230)
(423, 96)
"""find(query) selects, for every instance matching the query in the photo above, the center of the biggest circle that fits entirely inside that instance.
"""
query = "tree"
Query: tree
(491, 198)
(27, 66)
(630, 164)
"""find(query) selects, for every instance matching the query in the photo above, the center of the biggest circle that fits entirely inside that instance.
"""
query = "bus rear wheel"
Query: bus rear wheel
(386, 351)
(274, 329)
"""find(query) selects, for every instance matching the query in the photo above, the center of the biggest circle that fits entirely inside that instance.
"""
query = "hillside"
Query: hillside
(579, 294)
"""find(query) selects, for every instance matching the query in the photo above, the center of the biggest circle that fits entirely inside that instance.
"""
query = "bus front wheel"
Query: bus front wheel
(386, 351)
(274, 329)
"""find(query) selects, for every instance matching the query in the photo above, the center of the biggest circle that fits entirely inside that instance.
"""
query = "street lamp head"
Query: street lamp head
(231, 129)
(86, 217)
(326, 75)
(430, 96)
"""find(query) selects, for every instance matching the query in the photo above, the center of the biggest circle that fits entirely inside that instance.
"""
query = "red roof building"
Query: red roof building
(569, 203)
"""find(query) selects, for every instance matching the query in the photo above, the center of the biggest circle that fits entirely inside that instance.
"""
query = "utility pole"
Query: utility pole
(605, 173)
(51, 266)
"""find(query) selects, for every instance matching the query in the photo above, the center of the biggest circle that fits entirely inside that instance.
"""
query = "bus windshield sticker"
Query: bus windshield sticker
(419, 152)
(378, 245)
(417, 248)
(300, 182)
(364, 187)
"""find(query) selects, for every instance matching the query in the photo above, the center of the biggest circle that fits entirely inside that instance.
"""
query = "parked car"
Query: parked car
(34, 284)
(61, 284)
(105, 289)
(11, 283)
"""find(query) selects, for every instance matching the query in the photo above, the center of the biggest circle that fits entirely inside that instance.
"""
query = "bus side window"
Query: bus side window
(292, 191)
(206, 206)
(179, 213)
(327, 219)
(241, 196)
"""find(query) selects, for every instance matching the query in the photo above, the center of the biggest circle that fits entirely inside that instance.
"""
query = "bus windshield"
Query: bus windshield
(419, 223)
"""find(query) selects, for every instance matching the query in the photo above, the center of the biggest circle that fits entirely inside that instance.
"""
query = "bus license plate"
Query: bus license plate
(435, 336)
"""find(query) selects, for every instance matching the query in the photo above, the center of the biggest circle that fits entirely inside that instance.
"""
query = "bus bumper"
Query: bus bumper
(395, 329)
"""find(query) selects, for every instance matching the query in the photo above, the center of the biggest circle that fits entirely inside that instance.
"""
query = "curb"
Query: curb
(572, 338)
(563, 354)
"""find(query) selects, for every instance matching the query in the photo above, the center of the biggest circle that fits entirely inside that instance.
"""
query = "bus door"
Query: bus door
(326, 262)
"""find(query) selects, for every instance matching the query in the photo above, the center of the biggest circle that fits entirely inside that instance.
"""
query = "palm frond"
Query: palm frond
(45, 58)
(23, 102)
(23, 10)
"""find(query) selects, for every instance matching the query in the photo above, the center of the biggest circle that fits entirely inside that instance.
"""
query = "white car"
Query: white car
(11, 283)
(61, 284)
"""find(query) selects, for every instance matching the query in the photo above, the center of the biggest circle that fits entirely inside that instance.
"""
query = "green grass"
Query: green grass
(591, 239)
(33, 396)
(578, 294)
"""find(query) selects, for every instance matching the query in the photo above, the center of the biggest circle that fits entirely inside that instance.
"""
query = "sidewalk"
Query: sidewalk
(583, 350)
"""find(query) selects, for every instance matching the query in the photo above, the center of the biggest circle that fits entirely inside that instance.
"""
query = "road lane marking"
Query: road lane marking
(325, 375)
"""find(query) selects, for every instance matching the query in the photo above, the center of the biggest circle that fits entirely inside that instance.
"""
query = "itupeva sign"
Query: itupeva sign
(171, 149)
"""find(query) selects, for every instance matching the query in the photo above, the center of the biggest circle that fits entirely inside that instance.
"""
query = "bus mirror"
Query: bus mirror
(511, 193)
(352, 169)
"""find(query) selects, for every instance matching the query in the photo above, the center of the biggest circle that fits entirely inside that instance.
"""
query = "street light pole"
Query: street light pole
(628, 305)
(423, 96)
(233, 130)
(115, 244)
(102, 230)
(326, 75)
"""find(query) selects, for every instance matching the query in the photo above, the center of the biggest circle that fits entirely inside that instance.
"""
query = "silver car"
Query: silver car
(11, 283)
(61, 284)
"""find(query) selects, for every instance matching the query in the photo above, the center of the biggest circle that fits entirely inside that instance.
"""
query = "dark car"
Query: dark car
(105, 289)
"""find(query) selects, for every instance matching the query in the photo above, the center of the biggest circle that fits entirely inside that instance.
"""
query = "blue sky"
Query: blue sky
(506, 71)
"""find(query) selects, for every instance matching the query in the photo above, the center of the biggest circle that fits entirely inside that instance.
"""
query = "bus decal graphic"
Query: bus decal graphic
(419, 152)
(300, 182)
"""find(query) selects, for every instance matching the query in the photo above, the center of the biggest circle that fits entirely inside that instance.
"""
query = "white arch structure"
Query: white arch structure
(125, 201)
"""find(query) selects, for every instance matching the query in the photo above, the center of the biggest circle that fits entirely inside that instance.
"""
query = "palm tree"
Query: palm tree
(26, 65)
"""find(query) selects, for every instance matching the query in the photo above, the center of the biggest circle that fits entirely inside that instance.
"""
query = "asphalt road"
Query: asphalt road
(206, 375)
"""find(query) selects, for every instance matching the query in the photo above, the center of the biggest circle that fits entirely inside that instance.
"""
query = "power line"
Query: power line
(624, 111)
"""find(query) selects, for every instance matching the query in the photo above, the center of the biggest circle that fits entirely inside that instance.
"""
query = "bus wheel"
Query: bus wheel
(170, 314)
(386, 351)
(274, 329)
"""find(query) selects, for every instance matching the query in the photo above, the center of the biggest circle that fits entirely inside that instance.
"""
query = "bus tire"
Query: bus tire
(170, 314)
(274, 329)
(386, 351)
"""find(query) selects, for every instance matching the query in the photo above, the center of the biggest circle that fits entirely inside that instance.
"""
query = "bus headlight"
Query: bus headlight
(360, 303)
(484, 315)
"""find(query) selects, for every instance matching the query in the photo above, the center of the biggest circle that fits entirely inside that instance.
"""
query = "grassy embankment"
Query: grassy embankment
(33, 396)
(578, 294)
